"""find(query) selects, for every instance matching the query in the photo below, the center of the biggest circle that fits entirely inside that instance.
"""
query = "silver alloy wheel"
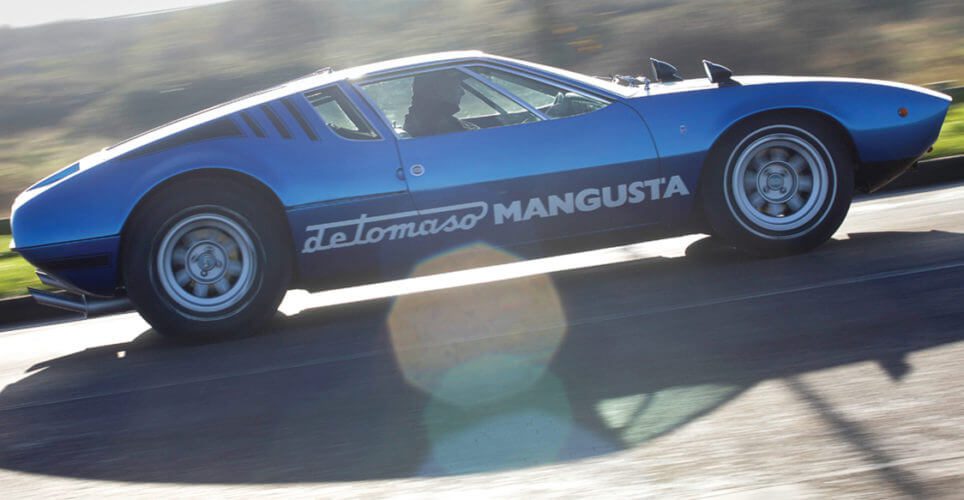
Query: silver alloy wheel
(206, 263)
(780, 182)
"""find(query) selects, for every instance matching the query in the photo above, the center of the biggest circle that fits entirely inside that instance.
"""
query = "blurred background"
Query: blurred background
(71, 87)
(679, 369)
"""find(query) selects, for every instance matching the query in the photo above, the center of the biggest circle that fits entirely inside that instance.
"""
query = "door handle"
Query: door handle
(400, 173)
(417, 170)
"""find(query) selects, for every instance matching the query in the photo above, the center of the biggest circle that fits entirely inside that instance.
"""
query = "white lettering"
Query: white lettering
(512, 213)
(607, 196)
(450, 224)
(636, 193)
(653, 185)
(586, 204)
(565, 204)
(675, 186)
(375, 235)
(373, 229)
(535, 208)
(399, 231)
(465, 217)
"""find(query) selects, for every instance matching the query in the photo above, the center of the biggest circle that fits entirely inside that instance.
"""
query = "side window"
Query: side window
(393, 97)
(554, 101)
(481, 101)
(442, 102)
(340, 115)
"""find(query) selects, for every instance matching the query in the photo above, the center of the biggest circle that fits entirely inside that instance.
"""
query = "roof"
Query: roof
(311, 81)
(292, 87)
(315, 80)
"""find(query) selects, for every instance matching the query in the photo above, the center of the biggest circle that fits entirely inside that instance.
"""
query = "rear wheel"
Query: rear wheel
(202, 261)
(778, 185)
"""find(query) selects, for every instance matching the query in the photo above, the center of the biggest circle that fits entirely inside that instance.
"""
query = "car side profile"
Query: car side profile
(352, 176)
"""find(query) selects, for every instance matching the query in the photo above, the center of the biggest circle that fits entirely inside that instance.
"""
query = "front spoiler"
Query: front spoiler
(88, 266)
(72, 299)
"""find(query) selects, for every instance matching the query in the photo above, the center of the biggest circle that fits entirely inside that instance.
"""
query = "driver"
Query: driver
(436, 98)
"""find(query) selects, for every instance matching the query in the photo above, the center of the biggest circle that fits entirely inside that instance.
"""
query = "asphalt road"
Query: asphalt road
(678, 369)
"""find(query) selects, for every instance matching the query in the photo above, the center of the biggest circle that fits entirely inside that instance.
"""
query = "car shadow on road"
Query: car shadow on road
(348, 394)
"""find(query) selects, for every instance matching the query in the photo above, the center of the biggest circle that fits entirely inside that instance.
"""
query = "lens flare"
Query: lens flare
(531, 428)
(477, 344)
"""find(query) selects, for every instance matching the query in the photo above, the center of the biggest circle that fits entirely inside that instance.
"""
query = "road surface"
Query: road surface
(679, 368)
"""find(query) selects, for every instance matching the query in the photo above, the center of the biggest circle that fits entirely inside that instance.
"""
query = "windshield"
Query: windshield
(590, 81)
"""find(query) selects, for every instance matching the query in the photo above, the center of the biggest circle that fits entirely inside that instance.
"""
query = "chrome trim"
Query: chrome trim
(316, 117)
(830, 181)
(52, 282)
(358, 88)
(81, 304)
(497, 62)
(359, 84)
(207, 263)
(542, 79)
(60, 301)
(504, 91)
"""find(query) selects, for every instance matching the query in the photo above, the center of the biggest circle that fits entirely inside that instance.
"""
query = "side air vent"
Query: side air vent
(290, 106)
(217, 129)
(276, 121)
(253, 125)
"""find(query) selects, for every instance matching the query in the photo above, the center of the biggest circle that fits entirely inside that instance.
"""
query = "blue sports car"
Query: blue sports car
(343, 177)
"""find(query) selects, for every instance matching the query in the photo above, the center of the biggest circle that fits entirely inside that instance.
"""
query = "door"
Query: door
(538, 162)
(357, 182)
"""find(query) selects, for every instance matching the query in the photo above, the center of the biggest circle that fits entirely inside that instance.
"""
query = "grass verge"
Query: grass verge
(951, 140)
(15, 273)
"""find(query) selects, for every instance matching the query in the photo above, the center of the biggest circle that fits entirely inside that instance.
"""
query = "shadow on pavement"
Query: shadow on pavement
(647, 347)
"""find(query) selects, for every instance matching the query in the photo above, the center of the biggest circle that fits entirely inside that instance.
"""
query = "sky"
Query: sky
(18, 13)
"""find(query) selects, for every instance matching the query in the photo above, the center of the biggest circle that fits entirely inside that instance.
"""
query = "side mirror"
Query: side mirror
(719, 74)
(664, 71)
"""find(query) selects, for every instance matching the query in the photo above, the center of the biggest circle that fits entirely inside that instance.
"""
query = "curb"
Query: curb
(930, 172)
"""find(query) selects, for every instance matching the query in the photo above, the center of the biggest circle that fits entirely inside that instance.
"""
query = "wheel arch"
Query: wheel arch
(257, 188)
(713, 153)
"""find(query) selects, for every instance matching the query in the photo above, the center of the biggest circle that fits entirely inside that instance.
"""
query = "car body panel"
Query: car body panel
(685, 131)
(503, 165)
(90, 265)
(660, 134)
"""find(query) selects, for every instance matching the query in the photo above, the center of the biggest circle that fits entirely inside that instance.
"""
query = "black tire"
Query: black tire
(748, 165)
(264, 253)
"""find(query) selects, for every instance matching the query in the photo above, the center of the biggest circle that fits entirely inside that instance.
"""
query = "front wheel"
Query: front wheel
(204, 262)
(778, 186)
